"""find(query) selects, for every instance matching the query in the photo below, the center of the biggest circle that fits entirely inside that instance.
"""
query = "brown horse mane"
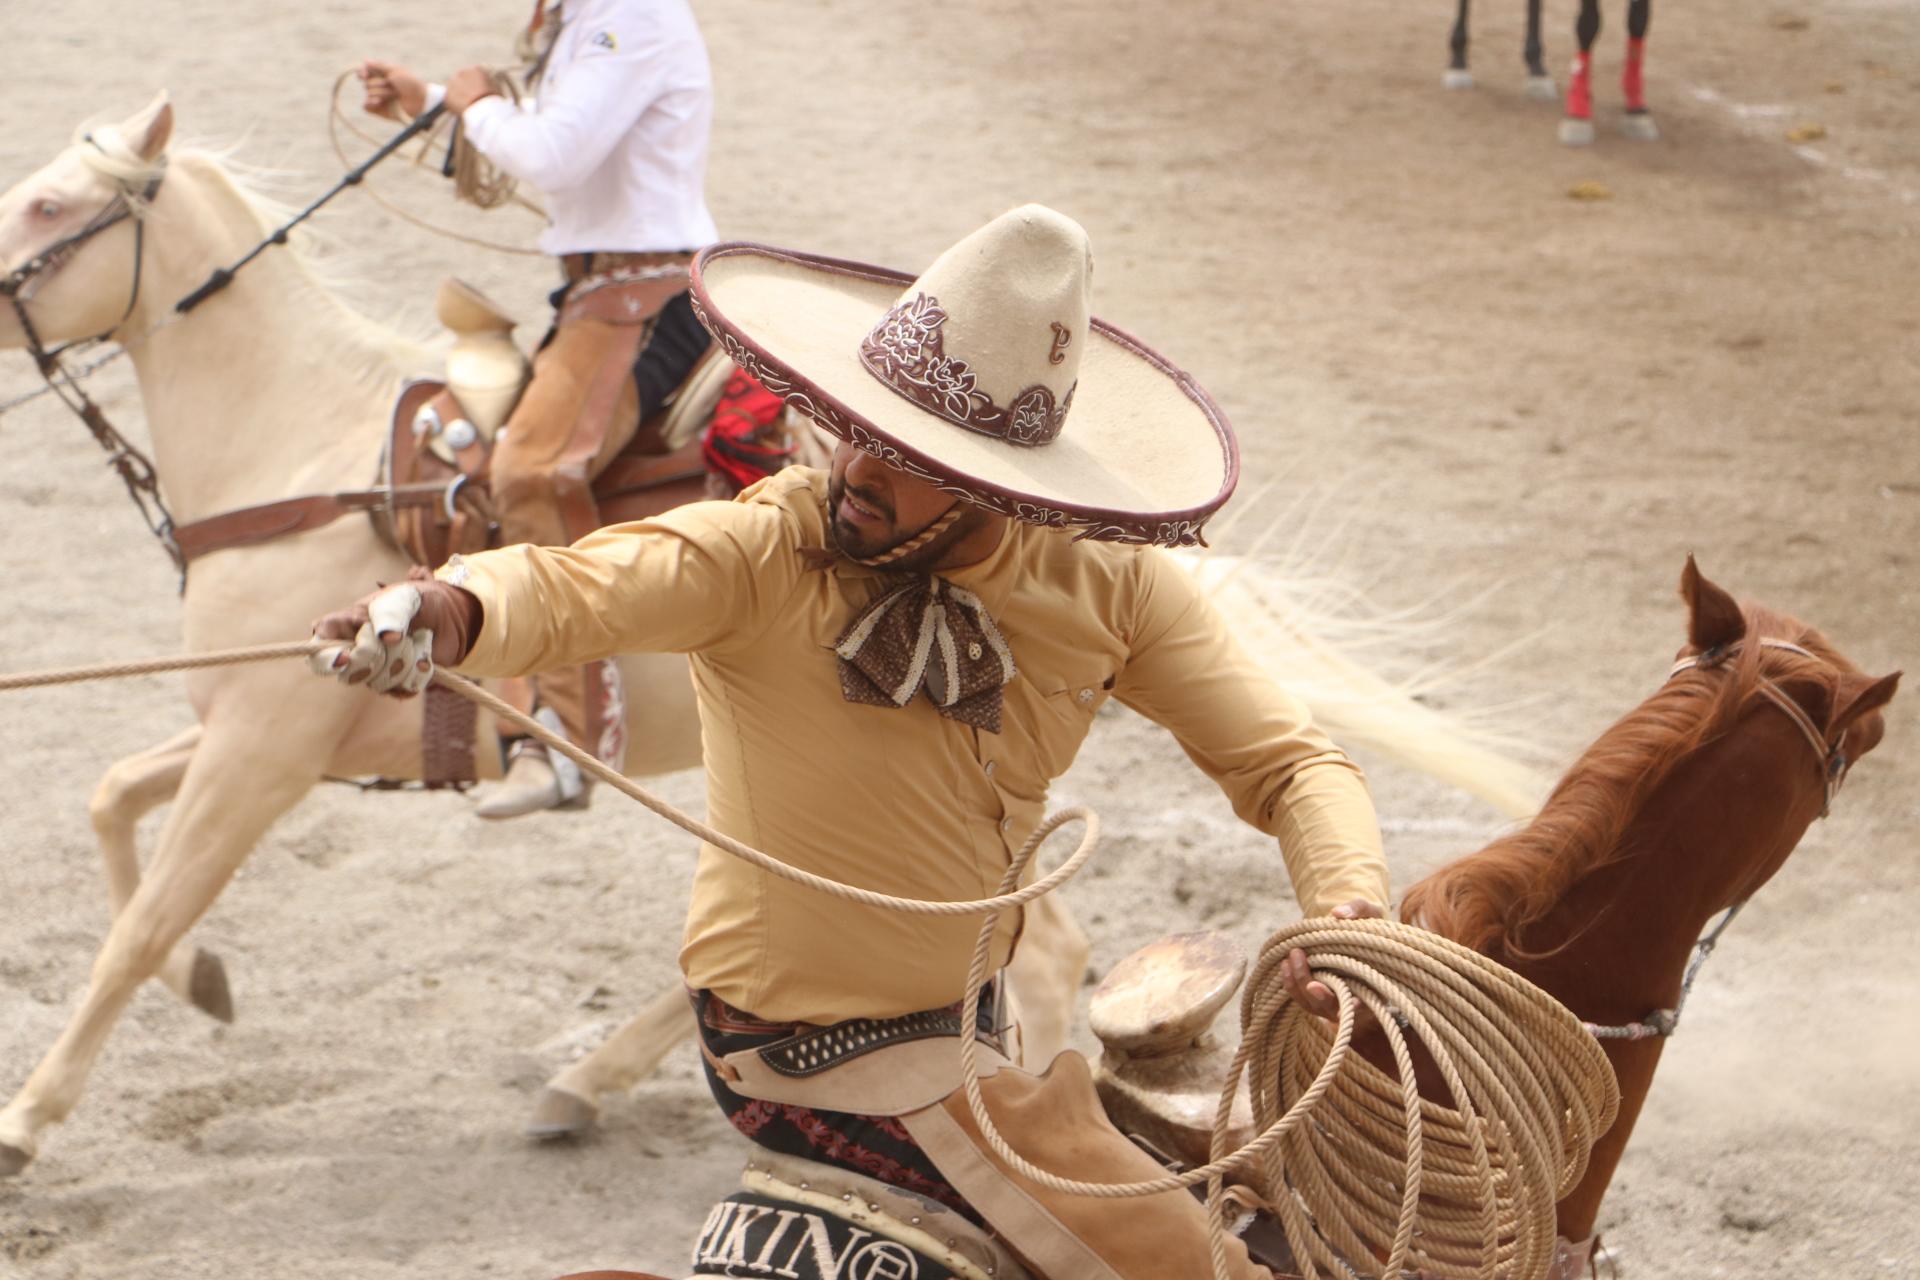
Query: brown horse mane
(1495, 895)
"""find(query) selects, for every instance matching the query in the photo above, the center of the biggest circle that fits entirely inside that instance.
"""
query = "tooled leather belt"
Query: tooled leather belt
(810, 1050)
(818, 1049)
(579, 266)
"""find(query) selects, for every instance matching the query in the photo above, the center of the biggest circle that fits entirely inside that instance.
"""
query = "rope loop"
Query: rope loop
(476, 179)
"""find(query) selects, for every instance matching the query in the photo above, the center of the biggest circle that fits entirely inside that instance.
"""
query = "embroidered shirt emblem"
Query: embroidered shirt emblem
(1061, 337)
(605, 40)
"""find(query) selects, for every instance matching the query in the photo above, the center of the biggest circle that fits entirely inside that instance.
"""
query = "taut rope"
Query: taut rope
(154, 666)
(1461, 1191)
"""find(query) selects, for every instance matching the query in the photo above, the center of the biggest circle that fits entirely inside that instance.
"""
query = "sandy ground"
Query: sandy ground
(1482, 381)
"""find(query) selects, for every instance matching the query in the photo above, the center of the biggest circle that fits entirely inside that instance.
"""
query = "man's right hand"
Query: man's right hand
(392, 90)
(391, 640)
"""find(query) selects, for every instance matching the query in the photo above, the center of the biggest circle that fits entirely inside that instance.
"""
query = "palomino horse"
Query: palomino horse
(1576, 127)
(1679, 812)
(276, 347)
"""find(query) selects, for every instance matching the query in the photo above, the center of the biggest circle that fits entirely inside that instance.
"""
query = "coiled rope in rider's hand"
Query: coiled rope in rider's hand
(476, 180)
(1358, 1168)
(1355, 1164)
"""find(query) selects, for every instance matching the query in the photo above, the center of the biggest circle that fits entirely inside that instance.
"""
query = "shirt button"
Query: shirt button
(990, 768)
(974, 651)
(1086, 695)
(1006, 824)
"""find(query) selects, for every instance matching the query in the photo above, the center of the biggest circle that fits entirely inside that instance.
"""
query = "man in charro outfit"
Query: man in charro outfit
(894, 660)
(616, 139)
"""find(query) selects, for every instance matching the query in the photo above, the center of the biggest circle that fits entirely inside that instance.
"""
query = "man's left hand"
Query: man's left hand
(468, 86)
(1297, 975)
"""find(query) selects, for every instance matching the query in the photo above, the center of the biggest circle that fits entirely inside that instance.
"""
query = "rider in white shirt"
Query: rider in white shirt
(614, 135)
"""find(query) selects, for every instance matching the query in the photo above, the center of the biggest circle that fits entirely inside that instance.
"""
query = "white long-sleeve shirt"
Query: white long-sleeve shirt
(617, 138)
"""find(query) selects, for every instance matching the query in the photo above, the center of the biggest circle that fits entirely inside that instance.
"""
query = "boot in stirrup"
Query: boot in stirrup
(536, 779)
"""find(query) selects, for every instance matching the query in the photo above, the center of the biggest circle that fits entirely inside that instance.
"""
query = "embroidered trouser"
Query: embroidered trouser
(877, 1146)
(580, 409)
(1054, 1120)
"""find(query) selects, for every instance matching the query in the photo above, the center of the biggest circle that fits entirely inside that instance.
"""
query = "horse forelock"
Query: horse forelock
(104, 150)
(1495, 895)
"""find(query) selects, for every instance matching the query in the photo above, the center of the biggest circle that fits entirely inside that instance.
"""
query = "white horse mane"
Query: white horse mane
(105, 150)
(1319, 636)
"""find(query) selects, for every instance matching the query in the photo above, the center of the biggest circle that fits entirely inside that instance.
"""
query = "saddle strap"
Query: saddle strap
(249, 526)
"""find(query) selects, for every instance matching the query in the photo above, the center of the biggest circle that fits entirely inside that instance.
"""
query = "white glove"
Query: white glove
(384, 655)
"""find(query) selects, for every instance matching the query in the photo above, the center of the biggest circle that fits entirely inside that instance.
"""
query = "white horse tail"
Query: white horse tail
(1306, 630)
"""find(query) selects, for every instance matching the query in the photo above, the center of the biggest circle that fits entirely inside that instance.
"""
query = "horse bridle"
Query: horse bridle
(1833, 771)
(1832, 756)
(19, 286)
(135, 469)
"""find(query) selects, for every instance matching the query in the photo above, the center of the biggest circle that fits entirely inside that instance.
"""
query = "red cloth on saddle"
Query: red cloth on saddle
(744, 442)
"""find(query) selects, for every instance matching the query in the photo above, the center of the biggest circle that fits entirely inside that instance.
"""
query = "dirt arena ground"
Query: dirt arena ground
(1472, 379)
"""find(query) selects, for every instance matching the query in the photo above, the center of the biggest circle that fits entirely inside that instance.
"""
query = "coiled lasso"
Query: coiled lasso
(1355, 1164)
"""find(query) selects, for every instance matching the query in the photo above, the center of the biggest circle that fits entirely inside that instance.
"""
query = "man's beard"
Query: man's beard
(856, 547)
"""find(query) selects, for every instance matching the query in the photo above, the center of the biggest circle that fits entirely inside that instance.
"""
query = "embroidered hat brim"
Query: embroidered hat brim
(1146, 455)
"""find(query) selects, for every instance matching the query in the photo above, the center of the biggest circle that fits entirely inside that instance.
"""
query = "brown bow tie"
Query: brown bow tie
(932, 635)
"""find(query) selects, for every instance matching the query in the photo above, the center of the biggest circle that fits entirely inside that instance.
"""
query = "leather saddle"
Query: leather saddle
(442, 434)
(432, 498)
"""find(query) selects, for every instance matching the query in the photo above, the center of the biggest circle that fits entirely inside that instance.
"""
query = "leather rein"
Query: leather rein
(135, 468)
(1833, 765)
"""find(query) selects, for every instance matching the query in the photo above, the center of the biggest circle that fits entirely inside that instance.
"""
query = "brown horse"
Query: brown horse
(1680, 811)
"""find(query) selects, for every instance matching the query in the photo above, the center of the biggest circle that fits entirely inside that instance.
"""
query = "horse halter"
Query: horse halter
(1833, 771)
(1832, 757)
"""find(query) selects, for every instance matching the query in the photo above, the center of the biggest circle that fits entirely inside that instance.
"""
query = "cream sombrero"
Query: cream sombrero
(985, 377)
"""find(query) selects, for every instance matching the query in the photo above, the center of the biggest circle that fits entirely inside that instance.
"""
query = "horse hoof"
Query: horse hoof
(1457, 78)
(13, 1160)
(560, 1114)
(208, 989)
(1640, 126)
(1542, 89)
(1576, 133)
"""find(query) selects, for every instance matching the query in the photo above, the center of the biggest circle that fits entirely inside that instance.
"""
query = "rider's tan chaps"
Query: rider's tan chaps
(1055, 1121)
(579, 410)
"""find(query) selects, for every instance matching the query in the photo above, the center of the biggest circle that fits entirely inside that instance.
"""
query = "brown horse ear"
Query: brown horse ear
(1856, 695)
(149, 129)
(1714, 617)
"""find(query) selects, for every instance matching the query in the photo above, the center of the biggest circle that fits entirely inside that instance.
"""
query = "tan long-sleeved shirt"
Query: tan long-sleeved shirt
(904, 800)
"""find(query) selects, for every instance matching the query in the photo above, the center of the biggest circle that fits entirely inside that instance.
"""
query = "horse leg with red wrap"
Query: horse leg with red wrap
(1576, 128)
(1639, 121)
